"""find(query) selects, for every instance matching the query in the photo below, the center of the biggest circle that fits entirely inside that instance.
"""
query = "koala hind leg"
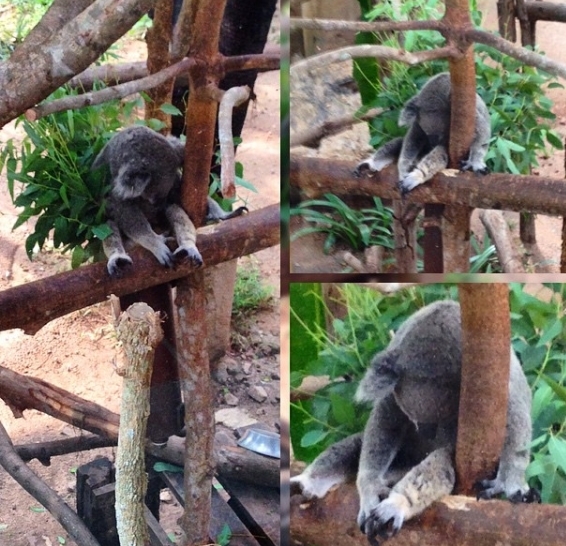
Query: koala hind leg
(113, 246)
(335, 465)
(185, 233)
(384, 156)
(215, 212)
(425, 483)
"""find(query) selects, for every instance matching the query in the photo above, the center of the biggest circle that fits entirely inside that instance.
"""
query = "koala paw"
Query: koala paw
(364, 168)
(188, 253)
(310, 487)
(387, 518)
(118, 263)
(478, 168)
(411, 181)
(491, 489)
(163, 254)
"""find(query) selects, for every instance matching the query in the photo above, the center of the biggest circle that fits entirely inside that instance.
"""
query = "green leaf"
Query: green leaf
(78, 257)
(102, 231)
(224, 536)
(167, 467)
(170, 110)
(37, 509)
(558, 389)
(557, 450)
(342, 410)
(313, 437)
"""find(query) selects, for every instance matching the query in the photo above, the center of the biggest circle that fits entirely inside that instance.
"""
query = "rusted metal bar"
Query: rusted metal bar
(314, 177)
(405, 237)
(456, 234)
(432, 241)
(32, 305)
(452, 520)
(506, 19)
(484, 391)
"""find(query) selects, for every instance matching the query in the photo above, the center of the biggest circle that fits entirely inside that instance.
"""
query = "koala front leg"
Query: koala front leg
(385, 155)
(185, 233)
(425, 483)
(426, 168)
(113, 246)
(335, 465)
(384, 435)
(136, 227)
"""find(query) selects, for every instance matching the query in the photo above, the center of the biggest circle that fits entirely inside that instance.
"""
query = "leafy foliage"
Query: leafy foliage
(359, 228)
(53, 166)
(538, 326)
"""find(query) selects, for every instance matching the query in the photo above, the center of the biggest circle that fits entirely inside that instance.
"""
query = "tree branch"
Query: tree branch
(311, 137)
(356, 26)
(380, 52)
(116, 92)
(231, 98)
(36, 487)
(66, 53)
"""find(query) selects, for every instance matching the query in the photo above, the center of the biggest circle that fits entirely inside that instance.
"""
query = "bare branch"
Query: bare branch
(110, 74)
(524, 55)
(232, 98)
(312, 136)
(376, 26)
(116, 92)
(380, 52)
(181, 33)
(36, 487)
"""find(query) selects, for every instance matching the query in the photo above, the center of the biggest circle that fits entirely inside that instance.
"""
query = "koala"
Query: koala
(145, 186)
(423, 151)
(403, 461)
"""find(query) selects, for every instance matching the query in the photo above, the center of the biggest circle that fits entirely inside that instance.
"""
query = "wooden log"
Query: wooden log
(21, 392)
(546, 11)
(314, 177)
(452, 520)
(31, 306)
(140, 332)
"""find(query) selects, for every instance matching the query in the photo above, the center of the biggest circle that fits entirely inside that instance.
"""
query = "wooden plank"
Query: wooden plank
(221, 513)
(258, 507)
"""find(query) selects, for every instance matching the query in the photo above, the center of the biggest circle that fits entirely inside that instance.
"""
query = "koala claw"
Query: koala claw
(189, 253)
(387, 518)
(117, 264)
(410, 182)
(363, 168)
(490, 489)
(477, 168)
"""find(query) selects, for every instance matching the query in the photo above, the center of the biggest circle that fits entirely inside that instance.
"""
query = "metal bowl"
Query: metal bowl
(264, 442)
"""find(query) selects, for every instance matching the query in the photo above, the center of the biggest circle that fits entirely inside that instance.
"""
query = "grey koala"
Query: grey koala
(403, 460)
(423, 151)
(145, 182)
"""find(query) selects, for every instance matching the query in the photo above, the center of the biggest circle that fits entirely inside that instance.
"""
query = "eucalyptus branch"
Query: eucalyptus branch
(380, 52)
(357, 26)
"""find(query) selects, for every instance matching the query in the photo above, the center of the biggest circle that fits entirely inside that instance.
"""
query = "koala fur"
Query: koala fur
(403, 461)
(145, 181)
(423, 151)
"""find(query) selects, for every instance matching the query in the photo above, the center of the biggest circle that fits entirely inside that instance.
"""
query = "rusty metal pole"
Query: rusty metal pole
(484, 391)
(456, 224)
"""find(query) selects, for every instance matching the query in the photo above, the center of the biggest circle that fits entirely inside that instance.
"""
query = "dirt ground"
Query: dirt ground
(77, 352)
(324, 97)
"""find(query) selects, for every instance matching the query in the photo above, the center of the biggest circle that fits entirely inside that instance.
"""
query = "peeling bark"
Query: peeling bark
(140, 332)
(66, 53)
